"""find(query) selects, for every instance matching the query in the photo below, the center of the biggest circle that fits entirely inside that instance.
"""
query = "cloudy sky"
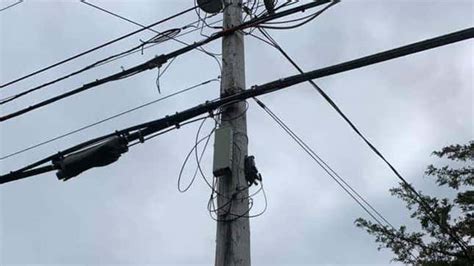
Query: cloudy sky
(132, 213)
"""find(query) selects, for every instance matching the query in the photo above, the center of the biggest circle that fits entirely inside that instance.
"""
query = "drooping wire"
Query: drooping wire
(431, 213)
(207, 139)
(212, 209)
(359, 199)
(109, 118)
(161, 73)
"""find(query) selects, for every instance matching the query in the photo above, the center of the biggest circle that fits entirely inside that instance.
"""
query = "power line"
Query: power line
(339, 180)
(160, 60)
(143, 26)
(165, 35)
(137, 132)
(160, 38)
(154, 44)
(12, 5)
(328, 169)
(95, 48)
(107, 119)
(420, 200)
(89, 67)
(304, 20)
(52, 167)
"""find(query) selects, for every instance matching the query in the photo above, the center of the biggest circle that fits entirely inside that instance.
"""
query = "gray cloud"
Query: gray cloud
(132, 213)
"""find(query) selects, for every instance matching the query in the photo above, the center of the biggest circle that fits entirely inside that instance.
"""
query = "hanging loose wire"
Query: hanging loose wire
(212, 183)
(161, 73)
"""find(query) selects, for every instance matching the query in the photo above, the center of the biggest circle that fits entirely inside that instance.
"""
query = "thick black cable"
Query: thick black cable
(108, 118)
(198, 157)
(49, 168)
(96, 48)
(420, 200)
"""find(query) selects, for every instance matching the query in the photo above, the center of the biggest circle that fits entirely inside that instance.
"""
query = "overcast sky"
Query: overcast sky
(132, 213)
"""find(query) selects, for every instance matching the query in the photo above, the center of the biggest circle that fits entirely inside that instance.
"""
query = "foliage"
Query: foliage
(433, 245)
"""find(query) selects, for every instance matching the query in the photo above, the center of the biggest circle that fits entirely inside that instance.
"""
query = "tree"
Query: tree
(433, 245)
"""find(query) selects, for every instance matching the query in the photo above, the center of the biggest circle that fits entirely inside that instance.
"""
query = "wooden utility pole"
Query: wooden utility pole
(233, 232)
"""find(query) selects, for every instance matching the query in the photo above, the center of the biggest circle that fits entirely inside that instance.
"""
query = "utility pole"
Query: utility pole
(233, 232)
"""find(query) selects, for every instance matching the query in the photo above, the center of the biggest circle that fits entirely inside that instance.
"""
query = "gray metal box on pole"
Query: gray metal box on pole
(223, 149)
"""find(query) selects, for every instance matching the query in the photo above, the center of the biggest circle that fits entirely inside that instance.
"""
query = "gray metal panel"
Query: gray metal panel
(223, 140)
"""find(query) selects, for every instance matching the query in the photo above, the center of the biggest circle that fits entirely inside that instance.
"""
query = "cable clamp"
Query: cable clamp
(140, 136)
(232, 90)
(211, 114)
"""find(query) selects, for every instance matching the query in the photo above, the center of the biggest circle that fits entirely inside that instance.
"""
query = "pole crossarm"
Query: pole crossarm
(136, 132)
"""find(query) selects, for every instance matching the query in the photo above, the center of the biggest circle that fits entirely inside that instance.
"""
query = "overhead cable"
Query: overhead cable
(304, 20)
(143, 26)
(359, 199)
(138, 131)
(96, 48)
(420, 199)
(108, 119)
(159, 38)
(160, 60)
(11, 5)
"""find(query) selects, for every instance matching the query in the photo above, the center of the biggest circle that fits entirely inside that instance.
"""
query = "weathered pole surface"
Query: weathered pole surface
(233, 232)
